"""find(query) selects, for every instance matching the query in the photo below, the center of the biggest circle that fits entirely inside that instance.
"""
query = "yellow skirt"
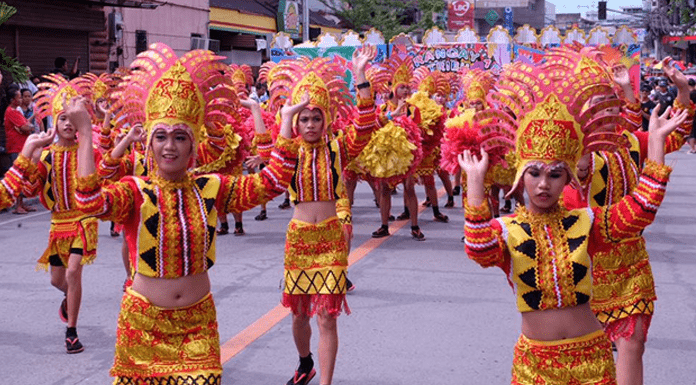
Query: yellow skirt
(70, 233)
(316, 260)
(585, 360)
(156, 345)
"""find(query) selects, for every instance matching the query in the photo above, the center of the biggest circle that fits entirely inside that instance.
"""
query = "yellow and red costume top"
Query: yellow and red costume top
(623, 281)
(168, 223)
(547, 257)
(55, 181)
(12, 183)
(316, 255)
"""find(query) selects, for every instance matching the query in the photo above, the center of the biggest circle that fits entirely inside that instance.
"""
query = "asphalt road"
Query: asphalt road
(422, 312)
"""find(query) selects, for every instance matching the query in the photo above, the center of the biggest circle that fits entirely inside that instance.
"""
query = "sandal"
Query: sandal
(440, 217)
(450, 202)
(303, 378)
(426, 203)
(382, 232)
(403, 216)
(262, 216)
(417, 234)
(391, 218)
(238, 231)
(73, 345)
(224, 229)
(456, 191)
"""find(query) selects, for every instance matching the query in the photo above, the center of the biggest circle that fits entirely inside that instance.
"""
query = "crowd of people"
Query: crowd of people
(167, 147)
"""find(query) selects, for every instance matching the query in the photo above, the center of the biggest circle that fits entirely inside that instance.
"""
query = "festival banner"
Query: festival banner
(451, 57)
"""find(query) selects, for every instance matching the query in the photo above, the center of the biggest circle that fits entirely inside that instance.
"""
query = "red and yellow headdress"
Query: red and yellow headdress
(322, 78)
(101, 86)
(266, 71)
(399, 67)
(190, 90)
(242, 78)
(56, 91)
(538, 112)
(431, 82)
(477, 83)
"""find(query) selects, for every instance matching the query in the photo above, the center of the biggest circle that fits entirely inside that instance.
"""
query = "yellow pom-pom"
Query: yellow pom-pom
(389, 152)
(430, 111)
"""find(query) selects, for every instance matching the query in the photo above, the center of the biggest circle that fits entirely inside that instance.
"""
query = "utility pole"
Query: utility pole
(305, 20)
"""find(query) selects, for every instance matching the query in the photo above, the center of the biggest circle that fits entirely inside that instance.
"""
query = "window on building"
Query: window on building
(140, 41)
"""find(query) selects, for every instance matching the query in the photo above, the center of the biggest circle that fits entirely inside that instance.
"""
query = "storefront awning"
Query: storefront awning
(234, 21)
(673, 39)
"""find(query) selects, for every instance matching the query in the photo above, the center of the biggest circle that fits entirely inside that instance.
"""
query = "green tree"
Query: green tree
(8, 63)
(391, 17)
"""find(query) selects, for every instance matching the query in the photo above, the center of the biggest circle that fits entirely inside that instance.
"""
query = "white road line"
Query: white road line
(22, 217)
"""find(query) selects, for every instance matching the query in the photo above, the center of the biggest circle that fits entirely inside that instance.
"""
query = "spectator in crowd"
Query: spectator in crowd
(27, 109)
(664, 97)
(17, 129)
(646, 105)
(260, 95)
(28, 84)
(61, 65)
(692, 136)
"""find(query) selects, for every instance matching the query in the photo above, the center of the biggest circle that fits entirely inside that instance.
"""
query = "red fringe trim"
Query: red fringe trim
(312, 304)
(625, 327)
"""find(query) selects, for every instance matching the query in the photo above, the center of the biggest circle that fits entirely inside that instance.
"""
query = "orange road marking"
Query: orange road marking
(262, 325)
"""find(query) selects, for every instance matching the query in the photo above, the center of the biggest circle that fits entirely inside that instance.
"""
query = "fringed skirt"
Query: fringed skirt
(316, 260)
(585, 360)
(155, 345)
(70, 233)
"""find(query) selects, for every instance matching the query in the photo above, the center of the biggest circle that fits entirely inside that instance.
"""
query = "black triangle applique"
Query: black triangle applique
(49, 191)
(209, 204)
(529, 278)
(527, 248)
(601, 196)
(201, 182)
(635, 156)
(151, 195)
(152, 224)
(574, 243)
(569, 221)
(209, 263)
(532, 299)
(527, 228)
(211, 234)
(150, 257)
(581, 298)
(579, 272)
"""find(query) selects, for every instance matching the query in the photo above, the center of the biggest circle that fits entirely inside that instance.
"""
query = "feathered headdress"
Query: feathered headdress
(539, 114)
(322, 78)
(55, 92)
(101, 86)
(265, 71)
(476, 84)
(399, 67)
(242, 78)
(165, 89)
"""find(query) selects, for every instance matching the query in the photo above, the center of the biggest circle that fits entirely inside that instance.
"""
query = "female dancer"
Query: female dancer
(167, 328)
(316, 250)
(545, 249)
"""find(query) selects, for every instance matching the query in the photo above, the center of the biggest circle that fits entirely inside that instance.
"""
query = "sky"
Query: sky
(582, 6)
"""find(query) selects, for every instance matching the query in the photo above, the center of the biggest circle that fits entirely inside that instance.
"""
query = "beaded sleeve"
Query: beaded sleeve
(633, 114)
(11, 184)
(484, 243)
(676, 139)
(364, 123)
(634, 212)
(241, 193)
(214, 145)
(114, 169)
(113, 202)
(264, 145)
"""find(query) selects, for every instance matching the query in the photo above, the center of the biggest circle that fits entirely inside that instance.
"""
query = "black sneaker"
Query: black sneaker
(73, 345)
